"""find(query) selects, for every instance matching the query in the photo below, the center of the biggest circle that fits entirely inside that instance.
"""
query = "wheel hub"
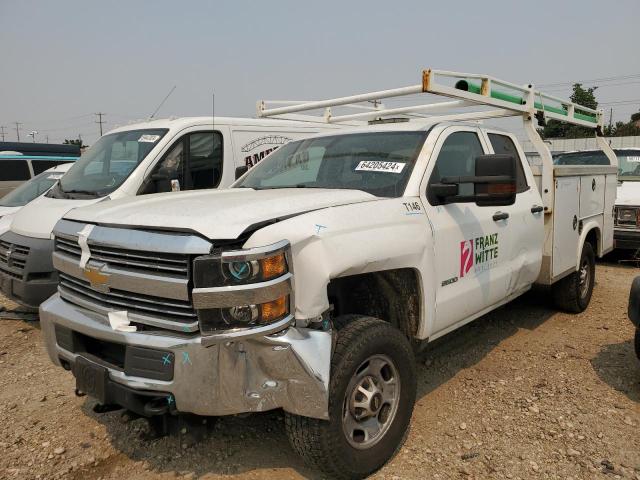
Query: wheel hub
(371, 401)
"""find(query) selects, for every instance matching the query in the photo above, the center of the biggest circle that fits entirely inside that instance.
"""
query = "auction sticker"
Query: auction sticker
(149, 138)
(375, 166)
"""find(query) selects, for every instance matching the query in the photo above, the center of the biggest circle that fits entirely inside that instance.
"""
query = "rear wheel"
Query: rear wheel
(637, 343)
(371, 395)
(573, 293)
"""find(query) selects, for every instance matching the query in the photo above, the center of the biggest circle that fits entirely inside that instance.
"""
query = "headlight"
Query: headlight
(241, 267)
(216, 320)
(243, 289)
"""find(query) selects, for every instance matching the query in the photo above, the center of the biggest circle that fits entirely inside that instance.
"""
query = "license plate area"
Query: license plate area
(91, 378)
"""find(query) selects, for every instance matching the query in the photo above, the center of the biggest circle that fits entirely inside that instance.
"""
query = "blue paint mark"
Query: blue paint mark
(185, 328)
(185, 358)
(166, 359)
(170, 399)
(319, 227)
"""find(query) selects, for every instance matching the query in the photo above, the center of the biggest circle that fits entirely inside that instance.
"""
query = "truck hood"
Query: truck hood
(37, 218)
(215, 214)
(8, 210)
(628, 193)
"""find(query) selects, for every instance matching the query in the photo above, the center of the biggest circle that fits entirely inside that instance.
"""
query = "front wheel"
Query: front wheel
(372, 391)
(573, 292)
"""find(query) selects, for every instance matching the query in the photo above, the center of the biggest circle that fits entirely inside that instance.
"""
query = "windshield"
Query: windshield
(628, 164)
(379, 163)
(596, 157)
(30, 189)
(108, 163)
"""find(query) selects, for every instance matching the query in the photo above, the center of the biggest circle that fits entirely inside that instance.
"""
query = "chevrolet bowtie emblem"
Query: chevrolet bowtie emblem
(98, 280)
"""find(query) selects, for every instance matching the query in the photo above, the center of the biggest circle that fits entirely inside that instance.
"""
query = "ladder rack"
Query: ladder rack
(467, 91)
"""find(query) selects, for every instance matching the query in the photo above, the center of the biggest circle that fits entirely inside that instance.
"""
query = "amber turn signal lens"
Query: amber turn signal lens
(273, 267)
(274, 310)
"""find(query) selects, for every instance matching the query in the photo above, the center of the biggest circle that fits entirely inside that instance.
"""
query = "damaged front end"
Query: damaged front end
(218, 339)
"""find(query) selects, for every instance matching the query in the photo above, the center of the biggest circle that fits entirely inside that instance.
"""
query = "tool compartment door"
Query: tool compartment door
(565, 224)
(592, 189)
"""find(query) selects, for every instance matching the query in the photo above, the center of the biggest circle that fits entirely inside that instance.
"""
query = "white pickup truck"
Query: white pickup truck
(162, 155)
(305, 285)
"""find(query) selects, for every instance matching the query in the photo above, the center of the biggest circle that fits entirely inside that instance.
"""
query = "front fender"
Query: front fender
(350, 240)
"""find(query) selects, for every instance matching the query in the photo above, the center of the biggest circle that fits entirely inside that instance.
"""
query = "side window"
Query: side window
(14, 170)
(503, 144)
(457, 158)
(194, 162)
(167, 175)
(40, 166)
(204, 168)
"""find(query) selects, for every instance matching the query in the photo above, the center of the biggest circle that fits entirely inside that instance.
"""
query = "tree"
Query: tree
(76, 141)
(557, 129)
(635, 117)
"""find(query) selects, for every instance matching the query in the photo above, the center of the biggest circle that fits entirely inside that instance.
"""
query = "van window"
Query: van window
(14, 170)
(194, 162)
(40, 166)
(503, 144)
(108, 163)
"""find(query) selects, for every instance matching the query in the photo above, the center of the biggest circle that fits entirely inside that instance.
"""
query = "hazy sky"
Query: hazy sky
(62, 61)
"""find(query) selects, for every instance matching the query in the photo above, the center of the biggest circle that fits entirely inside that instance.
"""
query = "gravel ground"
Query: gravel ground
(524, 392)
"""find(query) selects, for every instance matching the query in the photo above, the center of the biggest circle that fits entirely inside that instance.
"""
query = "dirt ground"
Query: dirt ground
(524, 392)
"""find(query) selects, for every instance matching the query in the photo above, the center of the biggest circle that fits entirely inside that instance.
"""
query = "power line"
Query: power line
(602, 79)
(100, 114)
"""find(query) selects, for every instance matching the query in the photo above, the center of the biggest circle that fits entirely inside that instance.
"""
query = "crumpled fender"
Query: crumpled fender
(349, 240)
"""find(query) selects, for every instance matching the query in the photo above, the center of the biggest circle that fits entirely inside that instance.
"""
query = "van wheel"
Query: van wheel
(372, 391)
(637, 343)
(573, 293)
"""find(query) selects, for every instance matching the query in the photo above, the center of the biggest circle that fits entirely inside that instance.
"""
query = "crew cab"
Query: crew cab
(157, 156)
(307, 284)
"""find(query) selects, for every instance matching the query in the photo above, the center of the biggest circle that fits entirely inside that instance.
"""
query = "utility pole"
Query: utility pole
(47, 138)
(2, 127)
(100, 121)
(610, 120)
(18, 129)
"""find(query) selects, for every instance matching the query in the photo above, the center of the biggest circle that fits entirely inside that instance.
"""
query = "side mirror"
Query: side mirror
(241, 171)
(494, 183)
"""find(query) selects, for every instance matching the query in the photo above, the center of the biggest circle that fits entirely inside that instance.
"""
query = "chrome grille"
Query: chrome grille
(626, 216)
(167, 313)
(13, 258)
(171, 263)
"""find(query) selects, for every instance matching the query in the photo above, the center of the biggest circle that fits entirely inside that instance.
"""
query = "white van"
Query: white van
(151, 157)
(11, 203)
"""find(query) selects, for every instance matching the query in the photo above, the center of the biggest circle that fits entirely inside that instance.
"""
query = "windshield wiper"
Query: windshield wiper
(82, 192)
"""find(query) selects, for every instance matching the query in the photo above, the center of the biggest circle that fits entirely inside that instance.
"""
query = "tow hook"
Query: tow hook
(157, 406)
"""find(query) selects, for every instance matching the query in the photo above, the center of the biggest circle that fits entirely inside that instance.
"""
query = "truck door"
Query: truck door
(523, 247)
(472, 272)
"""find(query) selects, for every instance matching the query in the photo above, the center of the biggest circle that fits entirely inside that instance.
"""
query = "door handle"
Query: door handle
(537, 209)
(500, 216)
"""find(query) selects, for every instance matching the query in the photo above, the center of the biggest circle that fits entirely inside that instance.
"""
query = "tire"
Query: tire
(637, 343)
(363, 346)
(573, 293)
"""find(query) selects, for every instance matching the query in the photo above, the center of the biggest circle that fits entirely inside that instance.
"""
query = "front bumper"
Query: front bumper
(288, 370)
(626, 239)
(27, 275)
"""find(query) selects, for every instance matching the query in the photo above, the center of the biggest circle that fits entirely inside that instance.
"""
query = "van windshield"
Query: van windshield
(379, 163)
(30, 189)
(107, 164)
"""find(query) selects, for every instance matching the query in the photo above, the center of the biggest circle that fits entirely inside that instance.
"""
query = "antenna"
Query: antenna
(162, 102)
